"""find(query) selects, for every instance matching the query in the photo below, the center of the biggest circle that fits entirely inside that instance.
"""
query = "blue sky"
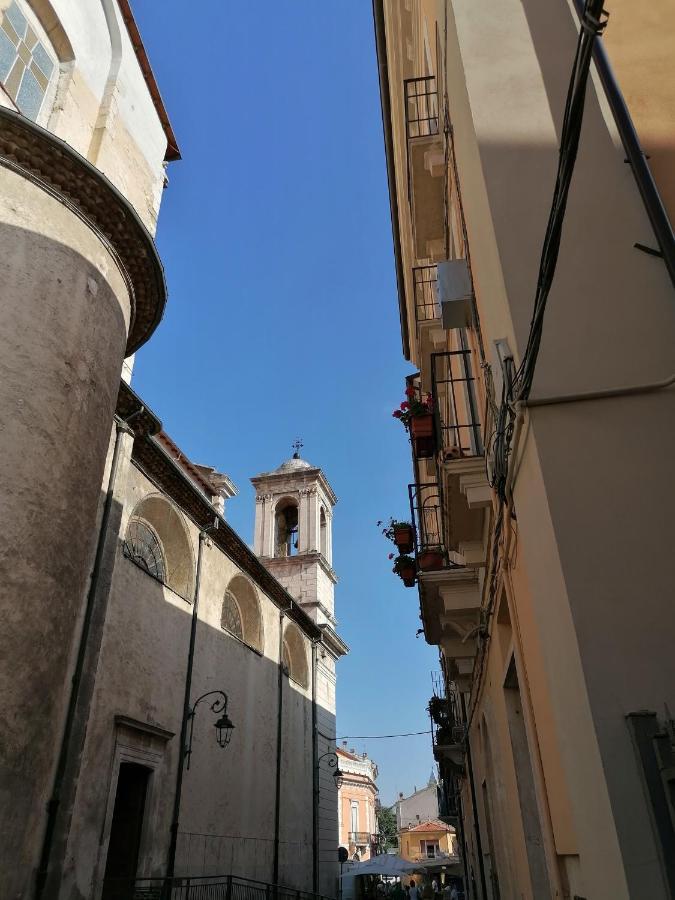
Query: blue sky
(282, 317)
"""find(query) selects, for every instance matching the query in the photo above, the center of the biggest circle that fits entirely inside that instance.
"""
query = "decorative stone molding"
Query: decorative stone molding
(60, 171)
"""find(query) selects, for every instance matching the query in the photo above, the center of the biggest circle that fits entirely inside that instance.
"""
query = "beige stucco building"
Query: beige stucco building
(357, 804)
(428, 839)
(542, 489)
(136, 626)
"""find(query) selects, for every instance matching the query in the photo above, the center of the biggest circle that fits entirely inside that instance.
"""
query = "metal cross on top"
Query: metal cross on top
(297, 445)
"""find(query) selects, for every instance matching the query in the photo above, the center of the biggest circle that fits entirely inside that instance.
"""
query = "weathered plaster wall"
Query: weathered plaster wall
(63, 325)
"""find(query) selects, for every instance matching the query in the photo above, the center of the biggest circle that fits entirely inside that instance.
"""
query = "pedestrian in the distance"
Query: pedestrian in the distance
(413, 893)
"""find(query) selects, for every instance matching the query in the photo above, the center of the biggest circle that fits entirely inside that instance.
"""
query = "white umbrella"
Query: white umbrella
(384, 864)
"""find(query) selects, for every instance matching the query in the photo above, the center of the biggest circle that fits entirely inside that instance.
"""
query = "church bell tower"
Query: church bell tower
(293, 533)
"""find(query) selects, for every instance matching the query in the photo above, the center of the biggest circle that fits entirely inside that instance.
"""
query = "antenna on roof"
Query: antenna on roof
(297, 446)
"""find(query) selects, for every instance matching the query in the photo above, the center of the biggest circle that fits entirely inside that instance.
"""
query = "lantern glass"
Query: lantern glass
(339, 778)
(224, 730)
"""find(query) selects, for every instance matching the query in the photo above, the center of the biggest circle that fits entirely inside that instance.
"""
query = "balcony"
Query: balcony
(363, 838)
(426, 166)
(461, 455)
(425, 280)
(448, 734)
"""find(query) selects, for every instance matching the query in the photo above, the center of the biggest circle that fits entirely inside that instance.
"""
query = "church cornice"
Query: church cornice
(60, 171)
(332, 641)
(301, 480)
(165, 473)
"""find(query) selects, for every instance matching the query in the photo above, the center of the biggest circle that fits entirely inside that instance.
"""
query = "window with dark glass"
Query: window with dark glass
(143, 547)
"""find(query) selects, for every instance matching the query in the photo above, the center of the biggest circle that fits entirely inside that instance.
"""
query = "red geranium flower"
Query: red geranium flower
(405, 405)
(397, 414)
(410, 391)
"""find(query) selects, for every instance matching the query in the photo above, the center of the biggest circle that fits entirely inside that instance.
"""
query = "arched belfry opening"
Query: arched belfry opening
(286, 528)
(293, 524)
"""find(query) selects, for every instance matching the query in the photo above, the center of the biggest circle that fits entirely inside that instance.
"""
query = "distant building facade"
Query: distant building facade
(357, 804)
(429, 839)
(136, 626)
(420, 806)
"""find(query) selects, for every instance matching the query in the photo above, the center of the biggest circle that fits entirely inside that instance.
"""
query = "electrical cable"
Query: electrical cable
(379, 737)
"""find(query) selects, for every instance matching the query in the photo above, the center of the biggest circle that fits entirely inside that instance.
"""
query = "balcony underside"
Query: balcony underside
(426, 162)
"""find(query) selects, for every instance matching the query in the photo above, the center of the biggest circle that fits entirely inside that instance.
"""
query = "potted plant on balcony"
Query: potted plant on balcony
(401, 533)
(404, 567)
(417, 416)
(438, 709)
(430, 559)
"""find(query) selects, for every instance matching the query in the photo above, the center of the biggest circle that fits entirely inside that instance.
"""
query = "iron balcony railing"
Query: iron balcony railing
(421, 107)
(213, 887)
(425, 279)
(363, 837)
(456, 405)
(428, 516)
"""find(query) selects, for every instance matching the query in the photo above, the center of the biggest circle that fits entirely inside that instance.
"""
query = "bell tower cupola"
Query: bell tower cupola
(293, 533)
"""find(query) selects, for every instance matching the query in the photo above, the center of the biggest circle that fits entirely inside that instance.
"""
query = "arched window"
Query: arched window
(27, 63)
(143, 547)
(240, 613)
(286, 528)
(157, 541)
(230, 617)
(294, 655)
(323, 533)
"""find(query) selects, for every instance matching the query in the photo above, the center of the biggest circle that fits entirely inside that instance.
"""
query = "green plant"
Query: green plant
(438, 709)
(388, 530)
(402, 563)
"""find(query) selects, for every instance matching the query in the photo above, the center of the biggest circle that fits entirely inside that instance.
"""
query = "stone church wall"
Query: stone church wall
(228, 805)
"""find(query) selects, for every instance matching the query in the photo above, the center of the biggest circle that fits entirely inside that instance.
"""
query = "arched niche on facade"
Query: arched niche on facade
(323, 533)
(157, 540)
(240, 613)
(294, 655)
(286, 527)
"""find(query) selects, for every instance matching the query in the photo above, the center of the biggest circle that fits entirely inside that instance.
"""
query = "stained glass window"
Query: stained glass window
(25, 65)
(143, 547)
(230, 617)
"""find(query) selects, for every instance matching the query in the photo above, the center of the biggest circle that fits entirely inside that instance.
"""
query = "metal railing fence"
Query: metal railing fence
(201, 887)
(421, 107)
(456, 405)
(425, 279)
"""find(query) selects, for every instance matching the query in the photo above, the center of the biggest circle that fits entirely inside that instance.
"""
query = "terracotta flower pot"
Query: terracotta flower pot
(422, 426)
(430, 559)
(407, 575)
(422, 435)
(403, 538)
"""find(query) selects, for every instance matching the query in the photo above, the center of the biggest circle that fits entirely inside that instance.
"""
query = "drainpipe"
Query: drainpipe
(472, 783)
(315, 776)
(65, 749)
(171, 858)
(280, 706)
(462, 837)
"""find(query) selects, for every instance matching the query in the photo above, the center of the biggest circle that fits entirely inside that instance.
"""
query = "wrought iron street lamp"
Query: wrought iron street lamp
(338, 775)
(223, 725)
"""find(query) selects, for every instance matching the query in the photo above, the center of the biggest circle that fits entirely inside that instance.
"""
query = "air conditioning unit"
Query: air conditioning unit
(458, 734)
(455, 293)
